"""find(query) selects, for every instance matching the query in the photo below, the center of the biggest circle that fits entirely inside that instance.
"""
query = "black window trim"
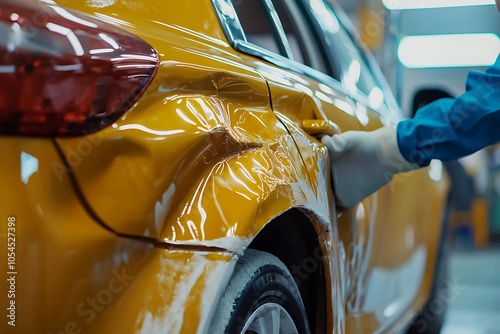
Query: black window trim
(279, 30)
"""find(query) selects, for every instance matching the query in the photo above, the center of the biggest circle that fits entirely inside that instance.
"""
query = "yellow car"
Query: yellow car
(161, 172)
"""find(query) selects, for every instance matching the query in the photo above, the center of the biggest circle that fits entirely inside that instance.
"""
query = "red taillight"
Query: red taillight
(63, 72)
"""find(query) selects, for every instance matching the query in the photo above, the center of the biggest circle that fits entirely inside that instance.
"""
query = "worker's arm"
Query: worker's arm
(446, 129)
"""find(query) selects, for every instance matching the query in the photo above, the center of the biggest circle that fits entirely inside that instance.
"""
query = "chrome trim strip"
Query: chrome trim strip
(288, 64)
(229, 21)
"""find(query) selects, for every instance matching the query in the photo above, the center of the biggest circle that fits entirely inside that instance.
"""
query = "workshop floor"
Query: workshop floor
(475, 276)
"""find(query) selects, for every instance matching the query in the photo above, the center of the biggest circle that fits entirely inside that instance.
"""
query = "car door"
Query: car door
(291, 43)
(404, 237)
(308, 96)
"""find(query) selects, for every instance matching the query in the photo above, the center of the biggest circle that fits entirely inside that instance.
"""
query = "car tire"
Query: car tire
(261, 293)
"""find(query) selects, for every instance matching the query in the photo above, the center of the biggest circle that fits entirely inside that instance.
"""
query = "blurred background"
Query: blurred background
(426, 48)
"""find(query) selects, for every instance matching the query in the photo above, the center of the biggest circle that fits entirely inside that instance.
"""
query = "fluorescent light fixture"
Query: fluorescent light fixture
(452, 50)
(414, 4)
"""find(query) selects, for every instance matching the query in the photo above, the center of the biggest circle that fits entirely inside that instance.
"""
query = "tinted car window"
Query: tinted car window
(257, 24)
(300, 35)
(354, 73)
(291, 31)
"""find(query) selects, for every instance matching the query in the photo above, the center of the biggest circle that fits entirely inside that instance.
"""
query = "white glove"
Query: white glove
(362, 162)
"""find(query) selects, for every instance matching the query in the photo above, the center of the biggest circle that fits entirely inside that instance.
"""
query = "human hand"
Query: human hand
(362, 162)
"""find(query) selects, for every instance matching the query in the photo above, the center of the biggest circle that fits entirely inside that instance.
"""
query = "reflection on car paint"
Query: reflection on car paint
(211, 153)
(29, 166)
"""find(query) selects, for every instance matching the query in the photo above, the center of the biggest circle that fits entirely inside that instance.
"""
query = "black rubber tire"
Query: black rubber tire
(259, 278)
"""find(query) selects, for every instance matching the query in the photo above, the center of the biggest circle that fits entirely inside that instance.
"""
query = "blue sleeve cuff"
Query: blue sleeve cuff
(408, 144)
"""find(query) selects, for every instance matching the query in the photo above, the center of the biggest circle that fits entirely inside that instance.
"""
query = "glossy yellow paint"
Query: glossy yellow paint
(160, 171)
(382, 241)
(177, 188)
(72, 275)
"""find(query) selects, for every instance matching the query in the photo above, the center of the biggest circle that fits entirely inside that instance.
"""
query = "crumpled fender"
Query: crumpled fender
(191, 169)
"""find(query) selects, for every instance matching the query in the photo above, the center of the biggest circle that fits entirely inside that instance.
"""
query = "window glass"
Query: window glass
(299, 35)
(354, 73)
(390, 100)
(257, 24)
(291, 31)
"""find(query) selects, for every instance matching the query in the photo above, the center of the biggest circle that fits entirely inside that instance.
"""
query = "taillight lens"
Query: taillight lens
(65, 73)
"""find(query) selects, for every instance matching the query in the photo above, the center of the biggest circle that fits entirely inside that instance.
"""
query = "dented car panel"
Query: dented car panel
(137, 228)
(158, 172)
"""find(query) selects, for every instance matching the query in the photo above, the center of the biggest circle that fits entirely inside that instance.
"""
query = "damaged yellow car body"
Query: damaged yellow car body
(137, 228)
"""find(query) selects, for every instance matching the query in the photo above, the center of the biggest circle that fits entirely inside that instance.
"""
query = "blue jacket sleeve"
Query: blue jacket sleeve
(448, 129)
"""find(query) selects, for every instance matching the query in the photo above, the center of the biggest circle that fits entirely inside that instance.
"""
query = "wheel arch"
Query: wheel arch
(293, 238)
